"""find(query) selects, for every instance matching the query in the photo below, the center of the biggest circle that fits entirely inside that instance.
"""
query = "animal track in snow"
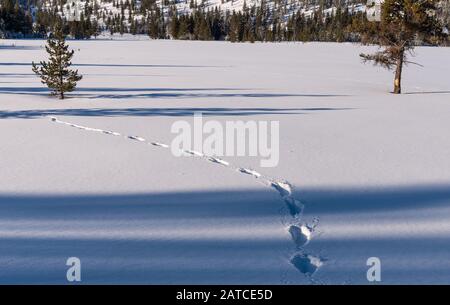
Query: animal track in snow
(193, 153)
(219, 161)
(136, 138)
(295, 206)
(283, 188)
(159, 144)
(306, 263)
(249, 172)
(301, 235)
(111, 133)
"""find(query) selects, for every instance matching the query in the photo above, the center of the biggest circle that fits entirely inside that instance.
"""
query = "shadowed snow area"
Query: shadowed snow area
(362, 173)
(198, 237)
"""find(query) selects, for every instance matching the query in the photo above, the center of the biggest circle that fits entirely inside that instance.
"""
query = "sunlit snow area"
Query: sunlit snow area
(362, 173)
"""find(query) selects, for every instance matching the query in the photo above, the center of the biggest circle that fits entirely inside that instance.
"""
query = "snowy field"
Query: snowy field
(372, 168)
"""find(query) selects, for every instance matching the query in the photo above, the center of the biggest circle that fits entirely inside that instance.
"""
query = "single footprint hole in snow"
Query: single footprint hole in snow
(193, 153)
(136, 138)
(219, 161)
(300, 235)
(307, 264)
(249, 172)
(295, 207)
(159, 144)
(113, 133)
(283, 188)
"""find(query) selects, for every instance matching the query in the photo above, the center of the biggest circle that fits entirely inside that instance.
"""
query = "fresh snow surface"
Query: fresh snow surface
(362, 173)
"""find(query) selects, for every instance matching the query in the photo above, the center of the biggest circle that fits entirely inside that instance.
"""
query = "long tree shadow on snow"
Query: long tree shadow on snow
(17, 75)
(406, 227)
(203, 237)
(124, 93)
(376, 199)
(16, 47)
(118, 65)
(428, 92)
(170, 112)
(142, 238)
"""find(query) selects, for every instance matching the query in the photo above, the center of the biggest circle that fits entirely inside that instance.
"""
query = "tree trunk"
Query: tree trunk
(398, 73)
(61, 79)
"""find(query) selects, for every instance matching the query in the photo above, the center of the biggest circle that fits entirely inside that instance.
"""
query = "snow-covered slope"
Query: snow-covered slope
(284, 7)
(371, 168)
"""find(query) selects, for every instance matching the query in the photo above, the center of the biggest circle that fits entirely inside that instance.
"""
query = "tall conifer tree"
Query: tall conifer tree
(56, 72)
(403, 23)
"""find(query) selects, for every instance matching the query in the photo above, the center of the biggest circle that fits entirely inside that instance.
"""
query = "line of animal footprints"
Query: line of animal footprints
(301, 234)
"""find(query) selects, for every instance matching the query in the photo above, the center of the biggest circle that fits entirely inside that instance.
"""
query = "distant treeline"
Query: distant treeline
(251, 24)
(256, 23)
(15, 21)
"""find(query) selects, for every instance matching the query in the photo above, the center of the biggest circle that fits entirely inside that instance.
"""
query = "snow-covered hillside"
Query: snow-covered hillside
(189, 5)
(90, 176)
(73, 8)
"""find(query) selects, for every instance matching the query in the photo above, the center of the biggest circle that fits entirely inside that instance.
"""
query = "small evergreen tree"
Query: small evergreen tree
(403, 24)
(56, 73)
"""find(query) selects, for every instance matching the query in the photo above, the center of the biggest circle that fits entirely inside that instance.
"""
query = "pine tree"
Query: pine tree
(55, 73)
(402, 23)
